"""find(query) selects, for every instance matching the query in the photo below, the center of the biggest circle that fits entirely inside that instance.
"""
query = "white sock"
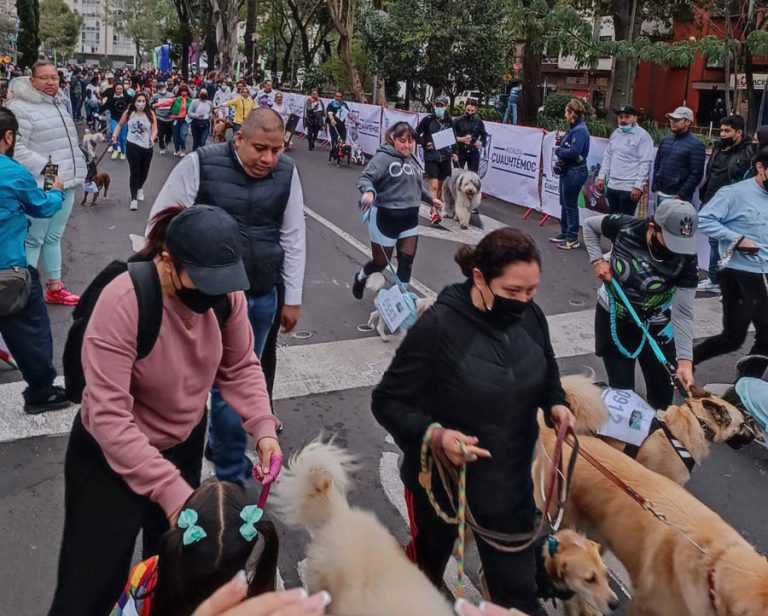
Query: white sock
(361, 275)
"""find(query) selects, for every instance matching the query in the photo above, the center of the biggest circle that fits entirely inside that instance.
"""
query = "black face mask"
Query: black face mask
(203, 97)
(505, 311)
(727, 141)
(658, 251)
(196, 300)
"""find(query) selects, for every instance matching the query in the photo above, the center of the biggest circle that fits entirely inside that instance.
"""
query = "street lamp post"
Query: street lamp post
(253, 52)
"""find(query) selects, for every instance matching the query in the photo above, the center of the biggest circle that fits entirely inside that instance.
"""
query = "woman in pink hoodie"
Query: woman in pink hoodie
(135, 450)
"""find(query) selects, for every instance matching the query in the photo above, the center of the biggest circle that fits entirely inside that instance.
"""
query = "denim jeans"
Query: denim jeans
(620, 202)
(571, 182)
(28, 336)
(714, 260)
(121, 138)
(226, 435)
(180, 129)
(511, 111)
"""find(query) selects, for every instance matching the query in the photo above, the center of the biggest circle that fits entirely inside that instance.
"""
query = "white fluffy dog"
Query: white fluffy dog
(375, 283)
(358, 156)
(90, 141)
(461, 195)
(351, 554)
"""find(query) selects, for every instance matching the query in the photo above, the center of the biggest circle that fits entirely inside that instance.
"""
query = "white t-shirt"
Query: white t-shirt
(140, 130)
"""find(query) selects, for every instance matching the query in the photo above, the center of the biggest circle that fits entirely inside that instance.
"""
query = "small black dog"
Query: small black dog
(342, 151)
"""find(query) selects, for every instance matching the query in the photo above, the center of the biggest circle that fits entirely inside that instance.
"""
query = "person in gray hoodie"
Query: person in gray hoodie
(392, 191)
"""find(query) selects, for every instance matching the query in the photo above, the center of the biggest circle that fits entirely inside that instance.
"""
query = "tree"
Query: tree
(59, 26)
(250, 30)
(28, 43)
(225, 16)
(143, 21)
(343, 14)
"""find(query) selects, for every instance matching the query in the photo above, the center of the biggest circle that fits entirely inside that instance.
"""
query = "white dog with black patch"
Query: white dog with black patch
(461, 195)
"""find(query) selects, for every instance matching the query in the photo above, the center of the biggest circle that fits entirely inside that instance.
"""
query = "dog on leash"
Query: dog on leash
(350, 554)
(102, 181)
(220, 127)
(375, 283)
(461, 195)
(681, 436)
(357, 156)
(90, 141)
(701, 567)
(342, 151)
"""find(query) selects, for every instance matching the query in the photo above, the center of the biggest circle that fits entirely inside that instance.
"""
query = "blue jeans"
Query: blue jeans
(121, 138)
(714, 259)
(28, 336)
(180, 129)
(511, 111)
(571, 182)
(226, 435)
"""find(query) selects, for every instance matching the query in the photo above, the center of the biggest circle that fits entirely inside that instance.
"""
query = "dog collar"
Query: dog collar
(711, 588)
(552, 545)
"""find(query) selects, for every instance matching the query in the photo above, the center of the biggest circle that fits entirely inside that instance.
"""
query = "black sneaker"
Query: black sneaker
(557, 239)
(358, 287)
(56, 401)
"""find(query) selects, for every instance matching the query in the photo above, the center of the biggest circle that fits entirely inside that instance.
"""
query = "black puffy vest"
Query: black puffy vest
(258, 206)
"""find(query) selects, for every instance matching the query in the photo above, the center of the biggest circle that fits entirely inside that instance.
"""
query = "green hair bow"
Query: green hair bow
(251, 514)
(188, 521)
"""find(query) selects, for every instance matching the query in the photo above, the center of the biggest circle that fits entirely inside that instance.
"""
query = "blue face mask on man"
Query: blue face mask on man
(627, 128)
(439, 112)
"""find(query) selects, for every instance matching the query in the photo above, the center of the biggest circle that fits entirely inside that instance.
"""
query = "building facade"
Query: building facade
(98, 38)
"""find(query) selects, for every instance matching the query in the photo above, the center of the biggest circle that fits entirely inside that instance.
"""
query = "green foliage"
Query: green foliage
(28, 42)
(145, 22)
(59, 26)
(332, 75)
(554, 106)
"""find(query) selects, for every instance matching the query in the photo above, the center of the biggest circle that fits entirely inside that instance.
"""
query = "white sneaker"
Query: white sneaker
(134, 205)
(109, 149)
(140, 195)
(163, 152)
(708, 286)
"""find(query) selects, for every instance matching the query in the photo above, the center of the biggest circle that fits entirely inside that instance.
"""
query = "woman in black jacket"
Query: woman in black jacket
(479, 363)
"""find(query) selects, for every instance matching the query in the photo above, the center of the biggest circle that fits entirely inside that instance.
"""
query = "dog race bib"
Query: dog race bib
(444, 138)
(629, 418)
(392, 307)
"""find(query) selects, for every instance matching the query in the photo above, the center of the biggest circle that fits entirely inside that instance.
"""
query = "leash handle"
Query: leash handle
(275, 466)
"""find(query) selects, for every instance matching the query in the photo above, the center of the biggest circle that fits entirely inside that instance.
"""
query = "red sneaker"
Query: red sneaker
(61, 296)
(434, 217)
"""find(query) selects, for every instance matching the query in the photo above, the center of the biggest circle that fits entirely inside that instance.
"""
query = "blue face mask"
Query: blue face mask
(626, 129)
(439, 112)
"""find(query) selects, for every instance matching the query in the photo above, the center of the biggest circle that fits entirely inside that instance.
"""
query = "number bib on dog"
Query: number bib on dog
(630, 416)
(394, 307)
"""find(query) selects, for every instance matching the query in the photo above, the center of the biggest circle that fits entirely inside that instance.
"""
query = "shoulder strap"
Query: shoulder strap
(222, 310)
(149, 296)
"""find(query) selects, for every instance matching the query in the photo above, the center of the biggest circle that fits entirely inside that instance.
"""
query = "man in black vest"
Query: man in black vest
(251, 179)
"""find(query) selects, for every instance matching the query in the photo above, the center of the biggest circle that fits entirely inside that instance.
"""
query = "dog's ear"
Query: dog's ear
(555, 569)
(699, 392)
(597, 546)
(719, 412)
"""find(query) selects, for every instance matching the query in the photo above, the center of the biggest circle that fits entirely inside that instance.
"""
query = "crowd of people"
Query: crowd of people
(222, 272)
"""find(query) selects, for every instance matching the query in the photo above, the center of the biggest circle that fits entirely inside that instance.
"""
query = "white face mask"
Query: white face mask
(140, 106)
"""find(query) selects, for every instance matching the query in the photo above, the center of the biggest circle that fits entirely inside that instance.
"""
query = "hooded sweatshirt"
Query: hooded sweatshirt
(459, 368)
(394, 179)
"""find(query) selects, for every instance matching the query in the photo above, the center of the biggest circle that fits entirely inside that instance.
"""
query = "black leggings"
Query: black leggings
(621, 370)
(164, 133)
(139, 160)
(103, 517)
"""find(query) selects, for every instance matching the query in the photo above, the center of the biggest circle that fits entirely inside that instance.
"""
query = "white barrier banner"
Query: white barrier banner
(364, 126)
(294, 103)
(393, 116)
(509, 164)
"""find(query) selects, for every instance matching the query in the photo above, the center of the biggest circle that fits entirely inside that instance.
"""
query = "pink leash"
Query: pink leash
(275, 465)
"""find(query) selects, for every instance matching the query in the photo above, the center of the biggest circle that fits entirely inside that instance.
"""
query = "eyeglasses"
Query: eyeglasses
(46, 77)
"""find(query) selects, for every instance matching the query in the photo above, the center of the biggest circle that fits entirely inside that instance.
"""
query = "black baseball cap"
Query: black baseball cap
(625, 109)
(207, 242)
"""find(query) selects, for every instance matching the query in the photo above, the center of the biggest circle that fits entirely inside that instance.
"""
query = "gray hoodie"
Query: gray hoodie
(395, 180)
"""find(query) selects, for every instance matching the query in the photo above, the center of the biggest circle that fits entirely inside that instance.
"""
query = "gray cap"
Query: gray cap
(678, 221)
(441, 100)
(681, 113)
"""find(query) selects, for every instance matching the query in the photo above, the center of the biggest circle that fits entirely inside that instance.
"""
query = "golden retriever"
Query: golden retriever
(722, 575)
(695, 424)
(351, 554)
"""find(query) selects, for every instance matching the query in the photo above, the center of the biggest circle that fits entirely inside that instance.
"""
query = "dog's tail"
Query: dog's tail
(313, 488)
(586, 401)
(107, 180)
(375, 282)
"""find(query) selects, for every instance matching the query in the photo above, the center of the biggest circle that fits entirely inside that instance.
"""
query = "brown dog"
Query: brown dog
(721, 575)
(681, 436)
(220, 130)
(101, 180)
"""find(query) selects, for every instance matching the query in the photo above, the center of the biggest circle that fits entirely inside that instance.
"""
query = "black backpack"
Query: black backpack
(149, 296)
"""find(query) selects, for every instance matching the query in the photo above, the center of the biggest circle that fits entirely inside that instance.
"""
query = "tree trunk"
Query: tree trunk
(343, 17)
(210, 39)
(225, 16)
(250, 29)
(624, 71)
(28, 42)
(381, 93)
(530, 95)
(728, 38)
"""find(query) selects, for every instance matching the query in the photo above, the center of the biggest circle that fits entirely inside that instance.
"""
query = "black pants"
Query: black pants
(621, 370)
(269, 356)
(745, 301)
(470, 159)
(620, 202)
(102, 518)
(511, 578)
(164, 133)
(139, 160)
(312, 129)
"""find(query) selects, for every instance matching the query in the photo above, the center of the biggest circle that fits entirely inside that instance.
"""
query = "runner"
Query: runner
(142, 130)
(392, 190)
(179, 107)
(437, 162)
(654, 261)
(243, 104)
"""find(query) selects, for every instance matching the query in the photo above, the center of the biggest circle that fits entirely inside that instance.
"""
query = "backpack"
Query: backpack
(149, 297)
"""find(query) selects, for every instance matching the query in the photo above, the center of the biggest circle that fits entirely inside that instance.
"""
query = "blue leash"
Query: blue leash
(671, 369)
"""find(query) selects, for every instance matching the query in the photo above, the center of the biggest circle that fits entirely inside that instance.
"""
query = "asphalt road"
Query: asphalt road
(325, 373)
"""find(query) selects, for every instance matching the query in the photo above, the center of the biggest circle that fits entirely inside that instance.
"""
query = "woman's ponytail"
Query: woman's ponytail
(156, 238)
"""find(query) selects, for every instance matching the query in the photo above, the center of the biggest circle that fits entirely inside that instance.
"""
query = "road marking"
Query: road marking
(325, 367)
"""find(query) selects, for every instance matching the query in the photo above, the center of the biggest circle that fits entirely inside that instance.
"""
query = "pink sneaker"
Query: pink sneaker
(61, 296)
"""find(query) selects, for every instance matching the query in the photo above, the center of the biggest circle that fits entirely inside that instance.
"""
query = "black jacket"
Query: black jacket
(457, 368)
(475, 128)
(737, 161)
(428, 126)
(679, 165)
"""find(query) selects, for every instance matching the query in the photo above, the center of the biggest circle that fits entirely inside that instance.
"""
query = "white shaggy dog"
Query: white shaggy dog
(461, 195)
(351, 554)
(375, 283)
(358, 157)
(90, 141)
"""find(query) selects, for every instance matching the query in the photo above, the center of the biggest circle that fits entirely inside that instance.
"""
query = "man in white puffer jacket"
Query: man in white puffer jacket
(46, 129)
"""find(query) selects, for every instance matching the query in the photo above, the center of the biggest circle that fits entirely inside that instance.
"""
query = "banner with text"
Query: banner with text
(364, 126)
(509, 163)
